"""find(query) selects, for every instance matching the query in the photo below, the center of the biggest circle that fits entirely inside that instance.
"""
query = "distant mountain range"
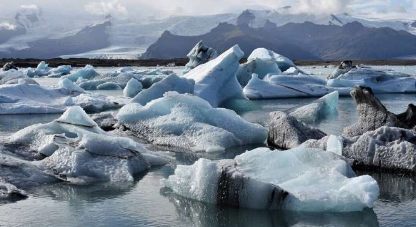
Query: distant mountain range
(34, 33)
(296, 41)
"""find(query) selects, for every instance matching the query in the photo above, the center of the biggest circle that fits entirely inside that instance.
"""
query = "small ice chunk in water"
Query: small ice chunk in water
(132, 88)
(68, 85)
(318, 109)
(76, 115)
(88, 72)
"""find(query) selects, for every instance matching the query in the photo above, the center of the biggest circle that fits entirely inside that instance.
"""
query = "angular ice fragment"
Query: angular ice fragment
(317, 110)
(68, 85)
(281, 61)
(334, 144)
(200, 54)
(215, 81)
(76, 116)
(88, 72)
(132, 88)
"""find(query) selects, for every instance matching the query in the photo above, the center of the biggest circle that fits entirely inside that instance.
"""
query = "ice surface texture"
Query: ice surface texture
(189, 122)
(170, 83)
(315, 180)
(287, 132)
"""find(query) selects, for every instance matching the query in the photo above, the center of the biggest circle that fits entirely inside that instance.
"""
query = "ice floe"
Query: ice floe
(30, 99)
(189, 122)
(74, 149)
(380, 81)
(302, 179)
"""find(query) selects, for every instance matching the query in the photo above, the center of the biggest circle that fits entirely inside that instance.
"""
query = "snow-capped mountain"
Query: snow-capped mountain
(128, 37)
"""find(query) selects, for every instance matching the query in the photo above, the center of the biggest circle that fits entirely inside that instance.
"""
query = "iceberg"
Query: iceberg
(281, 61)
(317, 110)
(380, 81)
(286, 132)
(303, 179)
(133, 87)
(288, 86)
(41, 70)
(200, 54)
(215, 81)
(9, 65)
(68, 85)
(60, 71)
(109, 86)
(35, 99)
(189, 122)
(74, 149)
(170, 83)
(88, 72)
(13, 76)
(262, 62)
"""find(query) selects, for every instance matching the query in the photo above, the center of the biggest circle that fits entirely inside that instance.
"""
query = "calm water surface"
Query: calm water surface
(145, 203)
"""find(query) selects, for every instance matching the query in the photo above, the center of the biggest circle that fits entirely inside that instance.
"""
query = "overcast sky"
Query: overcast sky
(397, 9)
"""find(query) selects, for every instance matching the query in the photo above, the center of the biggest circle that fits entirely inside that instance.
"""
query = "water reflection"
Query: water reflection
(209, 215)
(394, 187)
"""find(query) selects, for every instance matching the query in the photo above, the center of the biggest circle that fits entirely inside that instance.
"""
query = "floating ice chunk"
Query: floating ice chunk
(30, 99)
(170, 83)
(148, 80)
(334, 144)
(76, 116)
(189, 122)
(10, 191)
(9, 65)
(13, 76)
(68, 85)
(215, 81)
(88, 72)
(317, 110)
(221, 183)
(60, 71)
(260, 89)
(315, 181)
(281, 61)
(79, 151)
(287, 132)
(263, 62)
(41, 70)
(132, 88)
(380, 81)
(200, 54)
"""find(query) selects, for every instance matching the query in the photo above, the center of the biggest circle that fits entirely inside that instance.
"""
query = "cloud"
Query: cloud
(322, 6)
(104, 8)
(7, 26)
(33, 6)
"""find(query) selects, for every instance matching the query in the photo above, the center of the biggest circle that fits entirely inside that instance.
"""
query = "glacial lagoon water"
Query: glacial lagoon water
(145, 203)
